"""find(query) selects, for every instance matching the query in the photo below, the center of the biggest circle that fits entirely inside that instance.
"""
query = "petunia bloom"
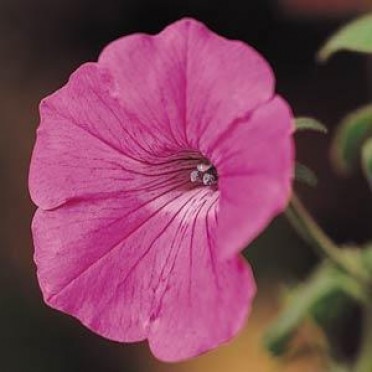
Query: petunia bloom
(152, 169)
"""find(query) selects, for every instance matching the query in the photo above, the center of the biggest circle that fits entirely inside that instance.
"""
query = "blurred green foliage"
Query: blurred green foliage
(356, 37)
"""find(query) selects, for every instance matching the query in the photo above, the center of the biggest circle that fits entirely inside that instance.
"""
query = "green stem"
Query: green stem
(364, 361)
(311, 232)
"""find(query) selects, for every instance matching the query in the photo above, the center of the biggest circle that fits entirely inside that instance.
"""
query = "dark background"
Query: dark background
(43, 41)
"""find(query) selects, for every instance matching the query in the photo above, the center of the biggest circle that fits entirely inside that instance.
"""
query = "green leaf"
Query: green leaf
(334, 316)
(367, 160)
(355, 36)
(305, 175)
(309, 299)
(305, 123)
(350, 136)
(342, 288)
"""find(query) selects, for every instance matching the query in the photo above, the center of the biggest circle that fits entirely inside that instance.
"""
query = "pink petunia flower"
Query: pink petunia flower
(153, 168)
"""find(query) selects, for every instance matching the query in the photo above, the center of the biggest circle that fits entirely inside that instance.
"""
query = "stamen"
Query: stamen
(205, 174)
(196, 176)
(209, 179)
(203, 167)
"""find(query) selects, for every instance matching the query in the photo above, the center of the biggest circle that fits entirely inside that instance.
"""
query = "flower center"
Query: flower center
(205, 174)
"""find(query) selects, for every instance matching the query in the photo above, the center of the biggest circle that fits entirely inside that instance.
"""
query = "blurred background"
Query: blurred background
(43, 41)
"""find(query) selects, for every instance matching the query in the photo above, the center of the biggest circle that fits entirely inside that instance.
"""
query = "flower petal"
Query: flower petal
(93, 258)
(205, 301)
(255, 163)
(88, 145)
(144, 275)
(188, 81)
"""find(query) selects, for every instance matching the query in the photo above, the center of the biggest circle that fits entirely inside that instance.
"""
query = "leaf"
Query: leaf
(367, 160)
(306, 123)
(311, 298)
(342, 289)
(305, 175)
(355, 36)
(350, 136)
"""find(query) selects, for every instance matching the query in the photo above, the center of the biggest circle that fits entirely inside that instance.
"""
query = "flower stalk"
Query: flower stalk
(311, 232)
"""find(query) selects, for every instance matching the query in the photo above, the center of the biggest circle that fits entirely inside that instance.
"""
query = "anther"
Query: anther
(205, 174)
(196, 176)
(209, 179)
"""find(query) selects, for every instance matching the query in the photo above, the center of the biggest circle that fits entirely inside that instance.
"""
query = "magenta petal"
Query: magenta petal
(256, 165)
(160, 280)
(103, 270)
(88, 145)
(204, 303)
(188, 81)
